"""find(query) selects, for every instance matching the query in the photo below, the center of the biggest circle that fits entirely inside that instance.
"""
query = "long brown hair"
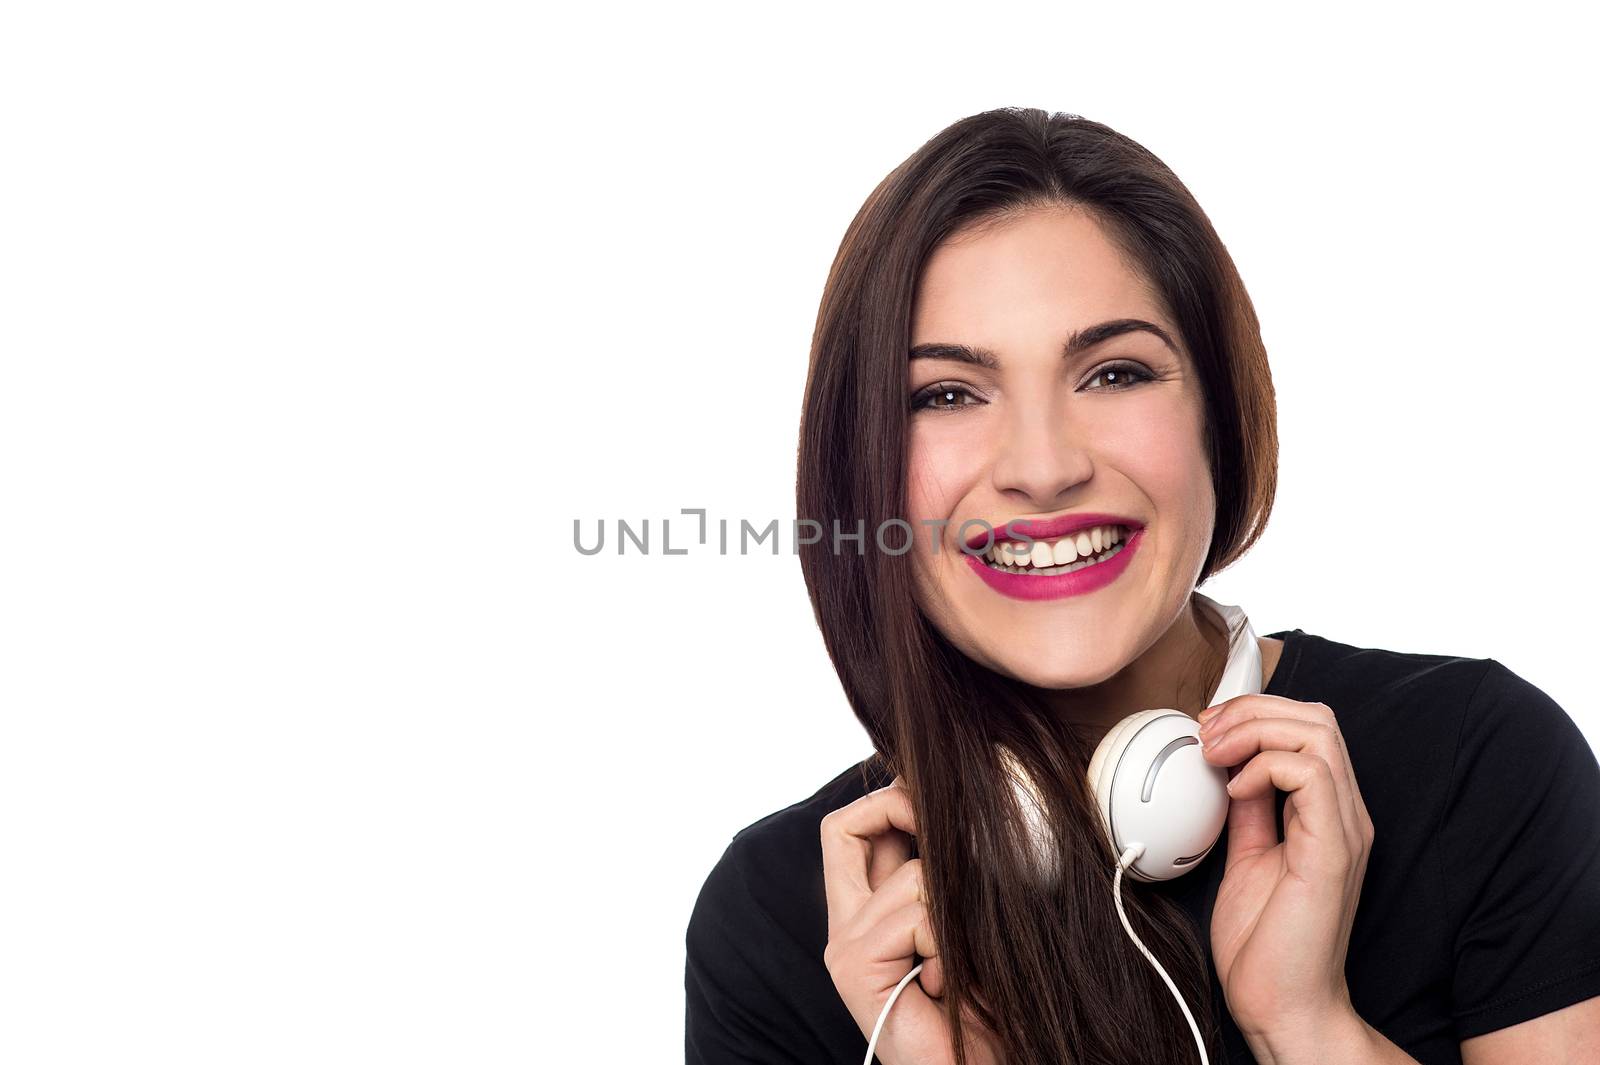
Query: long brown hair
(1049, 968)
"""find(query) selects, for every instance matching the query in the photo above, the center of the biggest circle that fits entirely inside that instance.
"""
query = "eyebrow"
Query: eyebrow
(1081, 340)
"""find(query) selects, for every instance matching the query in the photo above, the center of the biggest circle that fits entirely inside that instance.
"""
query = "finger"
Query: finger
(1224, 715)
(1244, 707)
(1230, 712)
(1321, 848)
(932, 977)
(1229, 706)
(1252, 827)
(903, 887)
(1251, 736)
(889, 852)
(847, 838)
(899, 936)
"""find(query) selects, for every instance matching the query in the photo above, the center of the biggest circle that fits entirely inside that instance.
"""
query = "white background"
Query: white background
(324, 321)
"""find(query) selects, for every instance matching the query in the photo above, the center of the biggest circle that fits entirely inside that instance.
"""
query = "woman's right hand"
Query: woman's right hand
(877, 926)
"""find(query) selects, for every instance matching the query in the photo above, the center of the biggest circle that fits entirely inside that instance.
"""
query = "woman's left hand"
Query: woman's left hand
(1283, 913)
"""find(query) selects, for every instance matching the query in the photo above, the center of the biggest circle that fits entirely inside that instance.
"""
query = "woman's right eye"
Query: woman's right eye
(943, 396)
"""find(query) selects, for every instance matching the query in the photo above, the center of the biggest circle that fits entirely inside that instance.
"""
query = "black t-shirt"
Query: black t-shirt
(1480, 907)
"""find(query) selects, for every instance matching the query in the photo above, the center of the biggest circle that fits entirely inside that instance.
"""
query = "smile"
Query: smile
(1065, 554)
(1051, 569)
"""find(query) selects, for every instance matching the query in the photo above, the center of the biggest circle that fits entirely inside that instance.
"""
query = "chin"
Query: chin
(1043, 672)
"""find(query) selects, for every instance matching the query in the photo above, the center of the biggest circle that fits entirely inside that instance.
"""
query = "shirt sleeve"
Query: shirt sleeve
(1520, 840)
(745, 979)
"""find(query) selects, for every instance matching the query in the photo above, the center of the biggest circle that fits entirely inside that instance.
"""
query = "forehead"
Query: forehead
(1046, 272)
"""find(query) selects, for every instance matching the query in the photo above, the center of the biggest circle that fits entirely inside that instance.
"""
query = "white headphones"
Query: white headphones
(1163, 805)
(1155, 789)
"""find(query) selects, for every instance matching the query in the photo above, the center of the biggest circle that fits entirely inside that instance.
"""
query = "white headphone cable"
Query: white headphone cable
(1129, 856)
(901, 986)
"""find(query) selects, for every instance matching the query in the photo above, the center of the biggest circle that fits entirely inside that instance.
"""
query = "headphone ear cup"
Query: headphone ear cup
(1103, 767)
(1178, 821)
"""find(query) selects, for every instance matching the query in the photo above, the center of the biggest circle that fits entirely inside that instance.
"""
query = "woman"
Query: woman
(1031, 319)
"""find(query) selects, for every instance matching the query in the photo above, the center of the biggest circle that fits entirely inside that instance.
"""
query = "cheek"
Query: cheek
(942, 463)
(1162, 450)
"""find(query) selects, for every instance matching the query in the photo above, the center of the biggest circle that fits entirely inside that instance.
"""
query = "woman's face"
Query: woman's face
(1053, 429)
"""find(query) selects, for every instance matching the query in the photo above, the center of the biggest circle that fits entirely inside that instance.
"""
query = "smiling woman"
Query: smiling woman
(1034, 346)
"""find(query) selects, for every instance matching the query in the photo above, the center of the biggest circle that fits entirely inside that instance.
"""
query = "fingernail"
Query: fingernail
(1209, 712)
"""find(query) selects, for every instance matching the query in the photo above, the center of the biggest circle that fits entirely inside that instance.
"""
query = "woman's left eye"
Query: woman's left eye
(1124, 375)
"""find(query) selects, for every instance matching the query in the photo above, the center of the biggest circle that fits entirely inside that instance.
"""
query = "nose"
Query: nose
(1040, 459)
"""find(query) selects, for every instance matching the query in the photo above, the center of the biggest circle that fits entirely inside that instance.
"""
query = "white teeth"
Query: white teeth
(1073, 552)
(1065, 553)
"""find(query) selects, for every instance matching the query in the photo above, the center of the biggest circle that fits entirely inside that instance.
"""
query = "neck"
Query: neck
(1180, 670)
